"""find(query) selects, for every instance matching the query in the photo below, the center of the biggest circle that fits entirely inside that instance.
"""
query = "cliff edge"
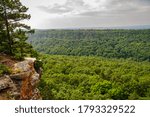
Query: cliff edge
(21, 83)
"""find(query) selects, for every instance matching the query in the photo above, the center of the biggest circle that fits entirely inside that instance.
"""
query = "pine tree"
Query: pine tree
(1, 29)
(13, 32)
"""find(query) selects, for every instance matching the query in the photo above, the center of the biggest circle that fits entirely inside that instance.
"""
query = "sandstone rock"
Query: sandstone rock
(22, 83)
(7, 87)
(23, 66)
(4, 85)
(20, 76)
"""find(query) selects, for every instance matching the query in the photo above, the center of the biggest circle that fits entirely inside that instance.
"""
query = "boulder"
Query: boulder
(22, 83)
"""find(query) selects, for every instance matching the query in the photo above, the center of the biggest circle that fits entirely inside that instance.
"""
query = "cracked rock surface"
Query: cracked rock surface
(21, 83)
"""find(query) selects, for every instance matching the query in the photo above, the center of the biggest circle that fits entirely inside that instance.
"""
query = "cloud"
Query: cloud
(71, 6)
(127, 5)
(98, 7)
(56, 9)
(118, 7)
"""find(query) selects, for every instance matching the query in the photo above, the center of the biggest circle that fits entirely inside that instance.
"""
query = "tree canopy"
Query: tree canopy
(109, 43)
(72, 77)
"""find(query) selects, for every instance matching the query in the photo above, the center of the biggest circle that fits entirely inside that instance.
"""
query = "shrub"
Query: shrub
(4, 69)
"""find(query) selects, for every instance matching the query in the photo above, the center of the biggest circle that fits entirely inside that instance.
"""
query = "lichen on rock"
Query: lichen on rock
(22, 82)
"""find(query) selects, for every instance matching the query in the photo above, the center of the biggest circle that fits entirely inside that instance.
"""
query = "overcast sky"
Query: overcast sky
(87, 13)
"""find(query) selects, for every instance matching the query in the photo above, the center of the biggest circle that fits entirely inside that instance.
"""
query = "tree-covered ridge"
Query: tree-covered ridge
(70, 77)
(107, 43)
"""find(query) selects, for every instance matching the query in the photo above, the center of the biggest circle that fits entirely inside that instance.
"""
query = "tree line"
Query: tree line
(134, 44)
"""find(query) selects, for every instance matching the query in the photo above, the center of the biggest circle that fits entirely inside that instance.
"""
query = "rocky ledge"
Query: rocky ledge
(22, 83)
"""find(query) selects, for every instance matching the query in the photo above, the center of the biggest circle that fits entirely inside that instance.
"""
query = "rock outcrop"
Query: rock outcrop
(22, 82)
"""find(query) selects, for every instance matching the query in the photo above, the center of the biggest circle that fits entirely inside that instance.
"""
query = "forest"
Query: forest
(94, 64)
(76, 78)
(134, 44)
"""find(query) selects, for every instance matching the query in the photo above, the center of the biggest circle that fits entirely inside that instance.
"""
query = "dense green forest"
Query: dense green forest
(72, 77)
(94, 64)
(133, 44)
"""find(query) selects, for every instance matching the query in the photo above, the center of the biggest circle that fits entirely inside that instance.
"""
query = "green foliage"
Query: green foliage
(4, 70)
(38, 65)
(102, 87)
(13, 33)
(72, 77)
(133, 44)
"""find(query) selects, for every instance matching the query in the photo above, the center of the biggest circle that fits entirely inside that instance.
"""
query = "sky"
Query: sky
(53, 14)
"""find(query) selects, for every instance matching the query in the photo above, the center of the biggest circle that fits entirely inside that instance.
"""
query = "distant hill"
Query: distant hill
(119, 27)
(108, 43)
(136, 27)
(131, 27)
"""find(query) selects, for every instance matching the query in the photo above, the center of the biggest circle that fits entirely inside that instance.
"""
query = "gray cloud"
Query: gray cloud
(87, 13)
(120, 7)
(115, 7)
(109, 12)
(74, 3)
(56, 9)
(78, 22)
(68, 7)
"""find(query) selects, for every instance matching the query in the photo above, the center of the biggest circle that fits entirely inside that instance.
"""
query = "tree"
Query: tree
(1, 29)
(13, 32)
